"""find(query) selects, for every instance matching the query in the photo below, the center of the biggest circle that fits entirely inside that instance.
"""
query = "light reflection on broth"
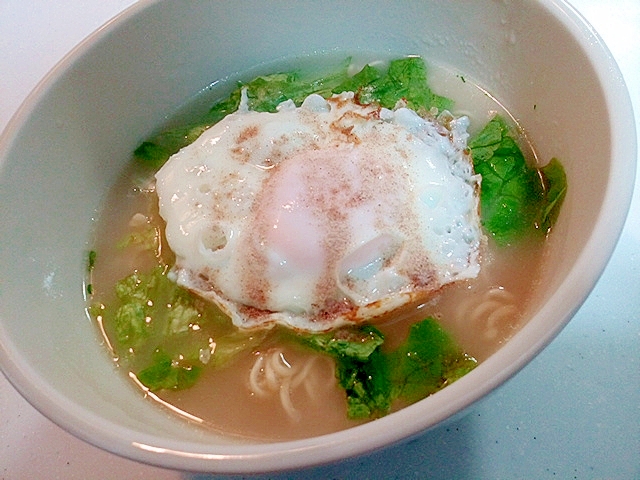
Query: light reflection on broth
(280, 391)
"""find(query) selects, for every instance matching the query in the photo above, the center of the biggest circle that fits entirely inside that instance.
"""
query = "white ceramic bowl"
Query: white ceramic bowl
(65, 146)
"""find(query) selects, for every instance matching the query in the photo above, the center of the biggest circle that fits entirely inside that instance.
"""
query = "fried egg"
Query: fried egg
(322, 215)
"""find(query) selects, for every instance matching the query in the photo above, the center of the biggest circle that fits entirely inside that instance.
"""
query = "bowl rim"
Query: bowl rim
(328, 448)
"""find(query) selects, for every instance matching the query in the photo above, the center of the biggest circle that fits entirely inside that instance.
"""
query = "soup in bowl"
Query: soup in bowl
(93, 211)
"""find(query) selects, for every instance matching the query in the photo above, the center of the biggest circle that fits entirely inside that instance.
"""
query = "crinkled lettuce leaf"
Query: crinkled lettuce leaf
(516, 200)
(264, 94)
(158, 335)
(373, 379)
(353, 342)
(361, 368)
(405, 80)
(366, 384)
(154, 338)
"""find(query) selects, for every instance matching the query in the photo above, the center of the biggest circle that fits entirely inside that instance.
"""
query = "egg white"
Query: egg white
(322, 215)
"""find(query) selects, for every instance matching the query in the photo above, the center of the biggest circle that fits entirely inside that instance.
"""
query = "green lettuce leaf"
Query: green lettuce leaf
(366, 384)
(405, 79)
(228, 346)
(131, 328)
(555, 182)
(158, 331)
(155, 151)
(515, 200)
(428, 361)
(165, 374)
(360, 83)
(373, 379)
(361, 369)
(352, 342)
(264, 94)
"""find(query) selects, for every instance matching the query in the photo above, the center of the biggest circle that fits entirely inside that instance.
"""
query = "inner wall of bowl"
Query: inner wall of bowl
(80, 128)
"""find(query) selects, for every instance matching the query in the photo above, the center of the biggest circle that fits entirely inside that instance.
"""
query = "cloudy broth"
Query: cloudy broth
(481, 314)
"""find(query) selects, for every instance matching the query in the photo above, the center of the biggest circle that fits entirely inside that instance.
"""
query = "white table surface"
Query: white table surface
(573, 413)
